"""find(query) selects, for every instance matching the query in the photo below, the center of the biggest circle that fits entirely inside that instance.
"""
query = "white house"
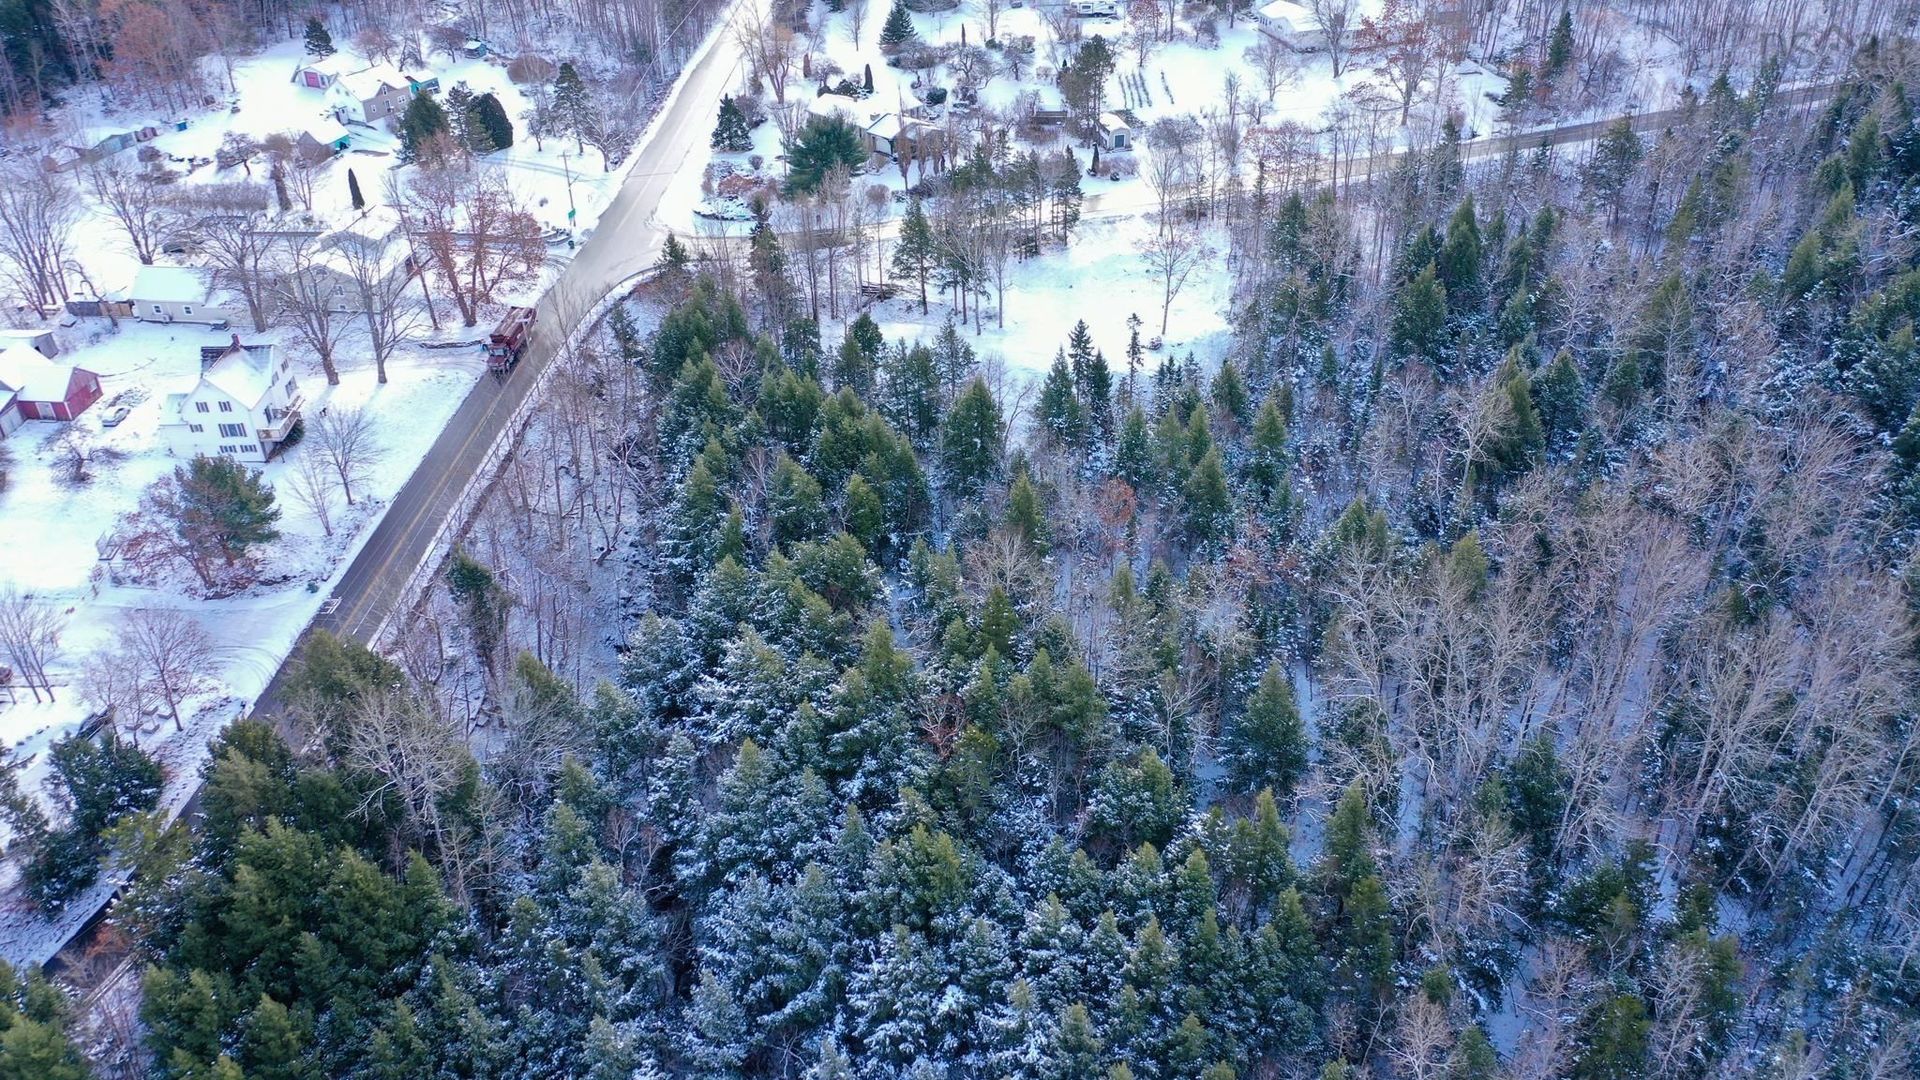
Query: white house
(1290, 24)
(243, 406)
(170, 294)
(374, 241)
(1115, 134)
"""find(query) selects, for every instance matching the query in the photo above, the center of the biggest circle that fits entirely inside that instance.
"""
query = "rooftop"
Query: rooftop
(35, 377)
(168, 285)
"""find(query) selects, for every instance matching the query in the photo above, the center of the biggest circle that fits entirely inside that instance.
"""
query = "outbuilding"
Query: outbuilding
(36, 388)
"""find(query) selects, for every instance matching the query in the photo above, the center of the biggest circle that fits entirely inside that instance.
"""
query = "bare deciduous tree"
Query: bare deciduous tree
(381, 269)
(30, 637)
(310, 481)
(1172, 255)
(174, 653)
(38, 209)
(227, 223)
(137, 198)
(1334, 20)
(306, 289)
(346, 441)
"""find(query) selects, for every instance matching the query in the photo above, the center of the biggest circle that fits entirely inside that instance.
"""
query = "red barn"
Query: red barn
(43, 390)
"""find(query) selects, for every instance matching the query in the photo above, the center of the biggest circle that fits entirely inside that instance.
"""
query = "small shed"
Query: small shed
(324, 136)
(1115, 132)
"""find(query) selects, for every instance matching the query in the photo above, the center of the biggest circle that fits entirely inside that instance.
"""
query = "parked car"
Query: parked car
(114, 418)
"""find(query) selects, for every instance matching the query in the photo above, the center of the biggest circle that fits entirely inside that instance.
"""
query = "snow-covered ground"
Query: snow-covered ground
(1099, 278)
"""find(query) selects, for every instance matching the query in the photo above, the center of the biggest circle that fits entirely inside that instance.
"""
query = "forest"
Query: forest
(1502, 665)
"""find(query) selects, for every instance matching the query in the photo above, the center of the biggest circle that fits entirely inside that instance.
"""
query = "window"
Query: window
(226, 448)
(197, 429)
(200, 406)
(158, 310)
(249, 448)
(233, 431)
(226, 406)
(290, 387)
(186, 309)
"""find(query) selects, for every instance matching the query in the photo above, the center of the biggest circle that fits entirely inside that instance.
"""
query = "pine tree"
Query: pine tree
(916, 251)
(1061, 414)
(419, 125)
(972, 440)
(358, 200)
(1026, 517)
(1267, 746)
(1209, 505)
(826, 143)
(482, 601)
(460, 116)
(1560, 45)
(731, 133)
(572, 106)
(218, 506)
(490, 119)
(1420, 318)
(319, 42)
(898, 29)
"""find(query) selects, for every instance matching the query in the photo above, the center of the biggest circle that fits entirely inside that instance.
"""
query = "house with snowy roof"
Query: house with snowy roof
(244, 405)
(33, 387)
(380, 92)
(374, 247)
(169, 294)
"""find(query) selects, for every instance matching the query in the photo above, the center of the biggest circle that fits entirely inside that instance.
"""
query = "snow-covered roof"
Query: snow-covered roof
(326, 131)
(832, 105)
(1112, 122)
(333, 66)
(892, 125)
(33, 376)
(168, 285)
(243, 372)
(371, 82)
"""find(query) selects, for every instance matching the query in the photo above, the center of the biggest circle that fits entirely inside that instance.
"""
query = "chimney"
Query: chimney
(236, 343)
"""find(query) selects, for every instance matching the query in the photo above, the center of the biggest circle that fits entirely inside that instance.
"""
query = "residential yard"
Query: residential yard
(52, 526)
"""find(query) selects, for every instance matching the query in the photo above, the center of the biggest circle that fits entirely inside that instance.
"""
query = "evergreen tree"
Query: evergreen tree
(218, 508)
(358, 200)
(1420, 318)
(489, 122)
(916, 252)
(971, 441)
(319, 42)
(731, 133)
(1267, 746)
(1209, 504)
(898, 29)
(1061, 414)
(423, 121)
(825, 143)
(1560, 45)
(573, 111)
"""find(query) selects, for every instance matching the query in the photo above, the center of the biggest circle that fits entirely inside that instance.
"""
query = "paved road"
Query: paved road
(626, 242)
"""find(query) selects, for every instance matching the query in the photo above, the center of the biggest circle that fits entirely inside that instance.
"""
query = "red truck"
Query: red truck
(509, 339)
